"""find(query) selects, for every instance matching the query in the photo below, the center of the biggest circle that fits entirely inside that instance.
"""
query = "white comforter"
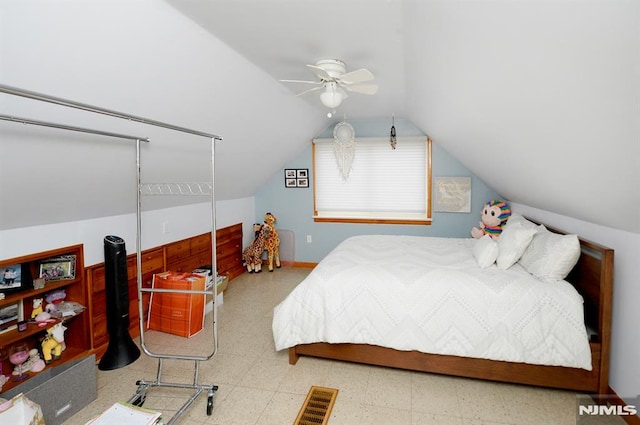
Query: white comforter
(429, 294)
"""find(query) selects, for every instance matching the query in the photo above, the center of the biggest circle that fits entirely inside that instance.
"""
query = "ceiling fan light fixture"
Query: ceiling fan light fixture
(333, 82)
(331, 98)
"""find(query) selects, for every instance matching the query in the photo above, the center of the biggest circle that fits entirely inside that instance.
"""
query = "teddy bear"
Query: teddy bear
(495, 214)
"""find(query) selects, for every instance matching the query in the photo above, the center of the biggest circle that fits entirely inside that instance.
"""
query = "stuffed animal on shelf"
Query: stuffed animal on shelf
(33, 364)
(252, 255)
(272, 242)
(37, 308)
(53, 299)
(495, 214)
(53, 343)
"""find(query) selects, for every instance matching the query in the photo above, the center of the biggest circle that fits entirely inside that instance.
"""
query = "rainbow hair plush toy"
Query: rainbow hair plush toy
(494, 216)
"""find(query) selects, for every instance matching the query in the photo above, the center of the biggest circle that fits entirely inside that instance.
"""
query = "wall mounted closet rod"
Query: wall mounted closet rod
(96, 109)
(72, 128)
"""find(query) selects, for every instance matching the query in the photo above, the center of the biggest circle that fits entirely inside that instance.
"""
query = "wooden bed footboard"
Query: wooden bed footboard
(592, 277)
(492, 370)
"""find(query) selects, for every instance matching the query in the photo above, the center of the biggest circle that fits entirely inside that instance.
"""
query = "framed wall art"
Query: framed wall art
(452, 194)
(296, 177)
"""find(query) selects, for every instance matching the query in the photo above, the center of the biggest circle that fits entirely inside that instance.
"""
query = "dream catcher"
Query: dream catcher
(344, 147)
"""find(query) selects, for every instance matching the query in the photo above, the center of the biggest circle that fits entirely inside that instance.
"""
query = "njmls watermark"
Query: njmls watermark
(589, 411)
(607, 410)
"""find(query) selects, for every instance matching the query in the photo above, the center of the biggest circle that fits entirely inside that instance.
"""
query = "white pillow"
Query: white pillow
(515, 217)
(485, 251)
(512, 242)
(551, 256)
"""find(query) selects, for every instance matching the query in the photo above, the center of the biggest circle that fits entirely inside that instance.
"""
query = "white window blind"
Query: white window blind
(384, 184)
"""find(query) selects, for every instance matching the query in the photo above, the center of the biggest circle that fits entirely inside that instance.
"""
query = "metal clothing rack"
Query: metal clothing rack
(149, 189)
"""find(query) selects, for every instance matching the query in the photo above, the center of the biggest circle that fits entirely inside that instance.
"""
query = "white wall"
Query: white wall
(143, 58)
(625, 339)
(182, 222)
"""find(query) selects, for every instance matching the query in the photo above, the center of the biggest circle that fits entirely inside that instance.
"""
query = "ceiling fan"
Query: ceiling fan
(334, 81)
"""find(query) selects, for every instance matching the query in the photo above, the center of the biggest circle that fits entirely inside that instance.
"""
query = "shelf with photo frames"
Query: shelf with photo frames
(64, 268)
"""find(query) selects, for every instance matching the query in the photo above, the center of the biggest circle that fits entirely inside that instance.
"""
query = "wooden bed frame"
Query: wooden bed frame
(592, 277)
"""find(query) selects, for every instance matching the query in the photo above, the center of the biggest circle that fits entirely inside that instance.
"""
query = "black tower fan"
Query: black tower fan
(121, 350)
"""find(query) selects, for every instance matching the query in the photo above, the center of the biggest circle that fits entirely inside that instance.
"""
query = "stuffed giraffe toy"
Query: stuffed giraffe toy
(272, 242)
(252, 255)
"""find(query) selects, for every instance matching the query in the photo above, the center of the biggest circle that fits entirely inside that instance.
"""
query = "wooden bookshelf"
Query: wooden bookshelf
(77, 339)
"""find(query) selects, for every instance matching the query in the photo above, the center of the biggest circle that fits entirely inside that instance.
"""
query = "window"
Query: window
(384, 186)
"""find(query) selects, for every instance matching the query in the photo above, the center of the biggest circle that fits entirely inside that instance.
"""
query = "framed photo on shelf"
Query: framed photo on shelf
(14, 278)
(58, 268)
(296, 177)
(10, 315)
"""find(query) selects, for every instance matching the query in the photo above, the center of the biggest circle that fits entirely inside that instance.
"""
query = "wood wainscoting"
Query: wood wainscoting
(181, 256)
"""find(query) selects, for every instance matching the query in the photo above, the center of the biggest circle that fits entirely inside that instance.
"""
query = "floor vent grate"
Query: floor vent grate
(317, 407)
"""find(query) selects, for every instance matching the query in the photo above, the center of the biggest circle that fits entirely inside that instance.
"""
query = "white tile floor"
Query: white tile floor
(258, 386)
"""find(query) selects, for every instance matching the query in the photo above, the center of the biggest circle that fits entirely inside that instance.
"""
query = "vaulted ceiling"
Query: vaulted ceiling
(540, 99)
(282, 37)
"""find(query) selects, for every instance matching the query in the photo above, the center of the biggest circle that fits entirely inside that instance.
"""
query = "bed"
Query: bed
(482, 316)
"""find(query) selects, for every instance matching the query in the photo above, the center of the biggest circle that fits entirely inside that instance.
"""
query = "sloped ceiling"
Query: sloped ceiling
(541, 99)
(281, 37)
(145, 59)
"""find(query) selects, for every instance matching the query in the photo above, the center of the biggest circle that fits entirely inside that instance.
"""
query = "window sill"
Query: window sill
(373, 218)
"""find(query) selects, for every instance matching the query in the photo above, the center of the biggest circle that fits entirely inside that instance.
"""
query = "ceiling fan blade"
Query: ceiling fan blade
(357, 76)
(309, 91)
(321, 73)
(301, 81)
(362, 88)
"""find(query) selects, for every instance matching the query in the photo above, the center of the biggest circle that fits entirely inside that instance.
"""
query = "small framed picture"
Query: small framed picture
(290, 182)
(10, 315)
(296, 177)
(14, 278)
(58, 268)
